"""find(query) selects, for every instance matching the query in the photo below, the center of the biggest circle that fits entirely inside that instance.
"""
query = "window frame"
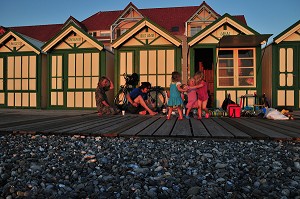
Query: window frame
(236, 67)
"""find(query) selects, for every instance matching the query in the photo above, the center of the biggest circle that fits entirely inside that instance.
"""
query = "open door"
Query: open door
(204, 62)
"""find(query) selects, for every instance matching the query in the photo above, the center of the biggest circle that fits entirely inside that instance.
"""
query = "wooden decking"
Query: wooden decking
(88, 123)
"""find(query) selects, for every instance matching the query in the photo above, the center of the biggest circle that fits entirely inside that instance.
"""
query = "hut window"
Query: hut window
(236, 68)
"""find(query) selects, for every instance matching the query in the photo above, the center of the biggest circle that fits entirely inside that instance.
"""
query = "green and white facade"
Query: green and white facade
(75, 63)
(232, 53)
(20, 71)
(281, 69)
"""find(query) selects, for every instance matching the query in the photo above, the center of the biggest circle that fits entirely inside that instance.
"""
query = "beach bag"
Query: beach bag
(234, 111)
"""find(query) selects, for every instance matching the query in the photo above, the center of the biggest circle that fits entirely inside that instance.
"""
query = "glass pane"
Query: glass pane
(246, 62)
(226, 63)
(226, 54)
(246, 81)
(246, 72)
(245, 53)
(225, 72)
(226, 82)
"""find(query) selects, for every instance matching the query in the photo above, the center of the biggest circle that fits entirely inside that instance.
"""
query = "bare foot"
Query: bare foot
(143, 113)
(153, 113)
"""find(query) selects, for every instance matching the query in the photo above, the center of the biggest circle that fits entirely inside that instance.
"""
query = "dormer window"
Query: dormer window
(195, 30)
(175, 29)
(94, 34)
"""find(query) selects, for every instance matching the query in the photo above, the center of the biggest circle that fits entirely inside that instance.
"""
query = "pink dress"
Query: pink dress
(192, 98)
(202, 92)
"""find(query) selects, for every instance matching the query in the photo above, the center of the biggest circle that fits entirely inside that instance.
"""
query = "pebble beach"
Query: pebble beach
(51, 166)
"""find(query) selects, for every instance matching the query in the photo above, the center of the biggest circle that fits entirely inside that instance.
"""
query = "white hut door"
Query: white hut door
(2, 92)
(286, 88)
(126, 65)
(56, 81)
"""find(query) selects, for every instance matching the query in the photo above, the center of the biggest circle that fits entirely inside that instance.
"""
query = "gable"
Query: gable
(145, 32)
(72, 37)
(12, 42)
(147, 36)
(225, 25)
(290, 34)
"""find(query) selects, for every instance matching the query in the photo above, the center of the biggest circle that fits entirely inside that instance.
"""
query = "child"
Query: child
(202, 94)
(175, 100)
(192, 97)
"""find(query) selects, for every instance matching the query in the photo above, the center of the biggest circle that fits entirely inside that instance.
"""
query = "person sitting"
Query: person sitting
(137, 99)
(103, 107)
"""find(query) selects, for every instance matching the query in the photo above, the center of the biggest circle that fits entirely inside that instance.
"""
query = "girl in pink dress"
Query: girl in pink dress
(201, 93)
(192, 97)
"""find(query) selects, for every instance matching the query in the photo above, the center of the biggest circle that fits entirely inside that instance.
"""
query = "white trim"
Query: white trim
(216, 26)
(139, 27)
(67, 31)
(290, 32)
(19, 38)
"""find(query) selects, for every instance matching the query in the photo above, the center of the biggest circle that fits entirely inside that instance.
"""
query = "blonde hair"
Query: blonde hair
(190, 79)
(199, 76)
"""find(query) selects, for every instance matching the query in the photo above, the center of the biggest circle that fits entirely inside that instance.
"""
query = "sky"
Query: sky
(264, 16)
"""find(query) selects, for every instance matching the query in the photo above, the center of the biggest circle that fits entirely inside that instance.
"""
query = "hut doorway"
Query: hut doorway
(204, 62)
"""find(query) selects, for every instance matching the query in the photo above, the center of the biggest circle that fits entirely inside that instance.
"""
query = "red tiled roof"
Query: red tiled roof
(175, 17)
(42, 33)
(101, 20)
(165, 17)
(241, 18)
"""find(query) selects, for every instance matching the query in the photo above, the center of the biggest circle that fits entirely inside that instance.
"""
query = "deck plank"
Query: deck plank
(150, 130)
(266, 131)
(166, 128)
(286, 129)
(251, 132)
(215, 129)
(139, 127)
(182, 128)
(80, 126)
(236, 132)
(199, 129)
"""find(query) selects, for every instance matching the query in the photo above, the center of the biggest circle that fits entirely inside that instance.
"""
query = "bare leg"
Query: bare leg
(180, 113)
(141, 101)
(188, 112)
(169, 112)
(199, 109)
(204, 103)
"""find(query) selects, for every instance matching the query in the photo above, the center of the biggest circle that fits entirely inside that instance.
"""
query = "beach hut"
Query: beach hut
(229, 53)
(148, 50)
(76, 61)
(281, 63)
(21, 66)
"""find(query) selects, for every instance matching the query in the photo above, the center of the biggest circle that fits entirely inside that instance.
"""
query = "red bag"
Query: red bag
(234, 110)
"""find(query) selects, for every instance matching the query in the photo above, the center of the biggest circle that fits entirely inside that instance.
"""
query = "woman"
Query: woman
(103, 107)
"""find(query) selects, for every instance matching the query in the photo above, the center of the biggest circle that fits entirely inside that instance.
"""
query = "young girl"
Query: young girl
(192, 97)
(175, 100)
(201, 93)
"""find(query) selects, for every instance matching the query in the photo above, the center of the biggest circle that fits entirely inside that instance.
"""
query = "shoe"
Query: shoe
(187, 117)
(199, 118)
(180, 118)
(206, 115)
